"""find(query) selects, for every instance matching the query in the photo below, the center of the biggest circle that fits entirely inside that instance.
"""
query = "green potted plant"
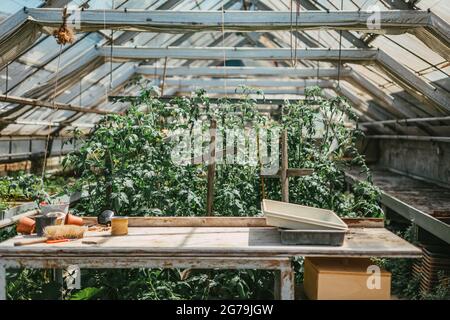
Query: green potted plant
(33, 188)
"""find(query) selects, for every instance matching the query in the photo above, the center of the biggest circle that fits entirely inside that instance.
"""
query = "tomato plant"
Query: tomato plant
(126, 164)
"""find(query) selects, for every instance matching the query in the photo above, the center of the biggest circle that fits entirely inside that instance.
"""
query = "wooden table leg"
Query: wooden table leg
(284, 283)
(59, 278)
(276, 284)
(2, 282)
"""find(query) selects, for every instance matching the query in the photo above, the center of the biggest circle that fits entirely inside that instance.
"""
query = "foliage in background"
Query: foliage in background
(26, 187)
(32, 284)
(7, 232)
(125, 164)
(318, 138)
(157, 284)
(405, 284)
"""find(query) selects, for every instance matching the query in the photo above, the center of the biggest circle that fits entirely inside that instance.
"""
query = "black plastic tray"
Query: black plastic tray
(312, 237)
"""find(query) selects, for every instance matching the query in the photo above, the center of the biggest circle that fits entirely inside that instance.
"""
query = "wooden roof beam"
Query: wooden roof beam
(398, 71)
(392, 21)
(50, 105)
(213, 53)
(149, 70)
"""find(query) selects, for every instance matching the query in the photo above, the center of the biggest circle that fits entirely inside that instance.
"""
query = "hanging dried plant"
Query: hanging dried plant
(64, 34)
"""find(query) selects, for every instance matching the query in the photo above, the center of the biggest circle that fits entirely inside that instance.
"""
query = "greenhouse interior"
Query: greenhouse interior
(224, 150)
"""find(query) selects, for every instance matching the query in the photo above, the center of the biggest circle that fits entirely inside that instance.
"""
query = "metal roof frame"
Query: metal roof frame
(421, 97)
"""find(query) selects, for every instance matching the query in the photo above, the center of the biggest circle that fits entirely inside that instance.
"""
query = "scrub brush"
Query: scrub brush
(55, 234)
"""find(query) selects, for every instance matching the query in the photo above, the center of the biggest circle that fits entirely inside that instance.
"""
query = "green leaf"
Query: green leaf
(87, 294)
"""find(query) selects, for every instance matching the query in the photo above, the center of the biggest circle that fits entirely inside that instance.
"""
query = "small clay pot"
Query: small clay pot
(71, 219)
(42, 222)
(25, 225)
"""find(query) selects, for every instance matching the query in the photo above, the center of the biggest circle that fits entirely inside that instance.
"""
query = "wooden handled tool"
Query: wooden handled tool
(55, 234)
(39, 240)
(30, 241)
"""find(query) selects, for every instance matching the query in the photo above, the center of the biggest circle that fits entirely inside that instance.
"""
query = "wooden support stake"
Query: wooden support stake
(284, 167)
(59, 278)
(164, 77)
(277, 285)
(211, 168)
(263, 191)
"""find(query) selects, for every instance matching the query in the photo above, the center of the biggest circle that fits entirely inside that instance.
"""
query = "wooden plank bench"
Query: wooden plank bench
(204, 243)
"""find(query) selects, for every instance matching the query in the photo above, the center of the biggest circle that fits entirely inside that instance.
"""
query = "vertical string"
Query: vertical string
(224, 51)
(291, 40)
(294, 42)
(340, 52)
(47, 141)
(106, 59)
(111, 53)
(297, 14)
(318, 62)
(155, 74)
(7, 76)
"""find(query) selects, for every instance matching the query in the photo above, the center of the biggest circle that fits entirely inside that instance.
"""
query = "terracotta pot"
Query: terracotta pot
(25, 225)
(71, 219)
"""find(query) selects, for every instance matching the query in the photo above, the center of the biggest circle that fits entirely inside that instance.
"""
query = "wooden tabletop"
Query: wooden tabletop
(215, 241)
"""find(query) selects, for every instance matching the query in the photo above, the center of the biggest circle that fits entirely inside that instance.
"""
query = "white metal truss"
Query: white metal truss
(426, 26)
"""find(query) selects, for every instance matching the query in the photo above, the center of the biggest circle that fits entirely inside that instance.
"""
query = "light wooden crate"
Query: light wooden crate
(344, 279)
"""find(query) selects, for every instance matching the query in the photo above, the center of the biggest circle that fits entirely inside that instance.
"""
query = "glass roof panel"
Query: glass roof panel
(25, 75)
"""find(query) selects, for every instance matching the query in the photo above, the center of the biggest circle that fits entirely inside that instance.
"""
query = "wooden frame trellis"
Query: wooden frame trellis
(283, 173)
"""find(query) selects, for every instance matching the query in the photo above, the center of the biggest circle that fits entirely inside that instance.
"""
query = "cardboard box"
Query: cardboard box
(345, 279)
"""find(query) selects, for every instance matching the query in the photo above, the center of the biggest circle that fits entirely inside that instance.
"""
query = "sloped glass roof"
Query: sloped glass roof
(84, 79)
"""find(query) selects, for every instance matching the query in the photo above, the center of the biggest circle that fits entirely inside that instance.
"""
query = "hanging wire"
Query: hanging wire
(294, 42)
(47, 140)
(340, 53)
(110, 54)
(296, 28)
(318, 62)
(104, 28)
(63, 35)
(291, 40)
(224, 52)
(7, 78)
(157, 76)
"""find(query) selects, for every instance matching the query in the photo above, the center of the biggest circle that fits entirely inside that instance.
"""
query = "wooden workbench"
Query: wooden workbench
(207, 243)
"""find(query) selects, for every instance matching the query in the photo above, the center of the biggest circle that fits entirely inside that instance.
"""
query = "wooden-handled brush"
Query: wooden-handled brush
(55, 234)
